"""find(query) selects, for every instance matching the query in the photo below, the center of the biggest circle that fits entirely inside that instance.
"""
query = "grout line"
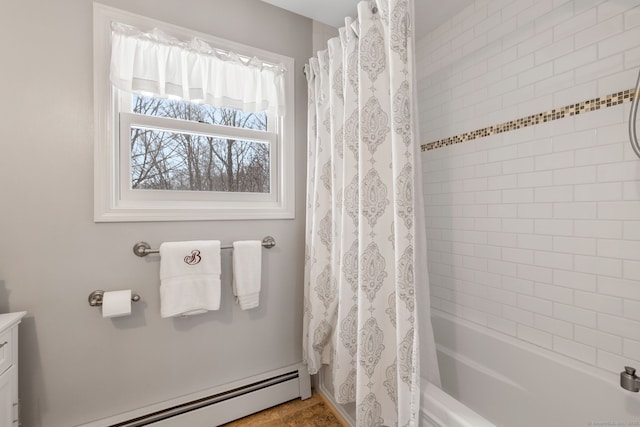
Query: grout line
(555, 114)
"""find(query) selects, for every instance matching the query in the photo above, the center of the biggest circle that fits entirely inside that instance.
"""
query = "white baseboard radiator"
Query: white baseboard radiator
(219, 405)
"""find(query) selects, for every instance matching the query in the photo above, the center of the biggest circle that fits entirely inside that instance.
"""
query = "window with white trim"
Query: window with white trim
(188, 126)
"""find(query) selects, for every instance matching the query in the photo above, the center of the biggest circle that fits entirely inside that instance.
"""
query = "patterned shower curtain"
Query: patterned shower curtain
(362, 230)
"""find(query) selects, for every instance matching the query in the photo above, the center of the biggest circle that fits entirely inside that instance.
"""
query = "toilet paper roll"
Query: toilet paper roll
(116, 303)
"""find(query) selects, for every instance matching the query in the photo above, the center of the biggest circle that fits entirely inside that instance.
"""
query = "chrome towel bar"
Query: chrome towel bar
(142, 249)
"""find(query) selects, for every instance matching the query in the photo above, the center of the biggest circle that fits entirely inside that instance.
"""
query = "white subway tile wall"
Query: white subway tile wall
(535, 232)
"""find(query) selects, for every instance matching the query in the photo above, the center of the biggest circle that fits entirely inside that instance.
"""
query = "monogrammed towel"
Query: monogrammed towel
(189, 277)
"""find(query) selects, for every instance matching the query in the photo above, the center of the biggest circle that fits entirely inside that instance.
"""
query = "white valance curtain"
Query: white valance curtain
(366, 287)
(159, 65)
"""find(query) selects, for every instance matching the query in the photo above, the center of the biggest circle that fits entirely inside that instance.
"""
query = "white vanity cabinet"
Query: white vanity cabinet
(9, 404)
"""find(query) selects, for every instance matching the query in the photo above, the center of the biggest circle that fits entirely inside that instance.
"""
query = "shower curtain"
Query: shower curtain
(365, 264)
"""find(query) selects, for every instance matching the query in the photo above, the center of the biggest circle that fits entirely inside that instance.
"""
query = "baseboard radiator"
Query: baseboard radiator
(220, 405)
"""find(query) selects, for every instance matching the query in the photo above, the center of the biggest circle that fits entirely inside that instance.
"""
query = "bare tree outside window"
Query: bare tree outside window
(172, 160)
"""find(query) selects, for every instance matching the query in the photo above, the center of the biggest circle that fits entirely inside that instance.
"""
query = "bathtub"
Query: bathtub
(513, 384)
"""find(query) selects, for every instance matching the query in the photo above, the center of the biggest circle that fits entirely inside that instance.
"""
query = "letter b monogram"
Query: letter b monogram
(194, 258)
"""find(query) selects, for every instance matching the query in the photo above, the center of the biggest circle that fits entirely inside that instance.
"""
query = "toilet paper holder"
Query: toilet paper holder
(95, 298)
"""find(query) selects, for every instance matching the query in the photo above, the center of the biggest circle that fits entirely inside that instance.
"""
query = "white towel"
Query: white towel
(247, 272)
(189, 277)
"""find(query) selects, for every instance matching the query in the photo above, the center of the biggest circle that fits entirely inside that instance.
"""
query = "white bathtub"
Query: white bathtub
(514, 384)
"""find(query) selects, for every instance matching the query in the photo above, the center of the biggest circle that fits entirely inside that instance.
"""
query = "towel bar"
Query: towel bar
(142, 249)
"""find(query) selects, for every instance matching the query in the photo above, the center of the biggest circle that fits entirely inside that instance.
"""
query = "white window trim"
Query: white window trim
(109, 203)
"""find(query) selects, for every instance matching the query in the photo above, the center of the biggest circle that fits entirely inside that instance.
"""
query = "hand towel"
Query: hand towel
(247, 272)
(189, 277)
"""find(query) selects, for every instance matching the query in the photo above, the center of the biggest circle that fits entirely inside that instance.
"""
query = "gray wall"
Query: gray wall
(76, 366)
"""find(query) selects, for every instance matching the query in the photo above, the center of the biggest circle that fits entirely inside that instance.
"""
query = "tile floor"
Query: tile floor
(313, 412)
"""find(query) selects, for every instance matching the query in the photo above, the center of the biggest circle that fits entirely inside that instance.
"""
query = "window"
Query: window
(230, 153)
(178, 143)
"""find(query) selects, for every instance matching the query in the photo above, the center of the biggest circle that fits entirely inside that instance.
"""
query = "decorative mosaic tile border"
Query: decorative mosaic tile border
(555, 114)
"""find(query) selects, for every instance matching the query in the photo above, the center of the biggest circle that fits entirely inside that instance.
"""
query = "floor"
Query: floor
(313, 412)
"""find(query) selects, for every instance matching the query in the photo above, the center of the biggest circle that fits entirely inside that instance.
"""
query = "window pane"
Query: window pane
(165, 160)
(199, 113)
